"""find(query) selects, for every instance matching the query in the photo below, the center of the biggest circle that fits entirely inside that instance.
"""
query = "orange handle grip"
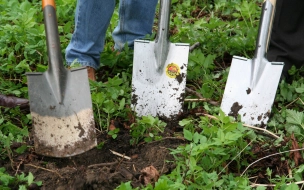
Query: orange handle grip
(48, 2)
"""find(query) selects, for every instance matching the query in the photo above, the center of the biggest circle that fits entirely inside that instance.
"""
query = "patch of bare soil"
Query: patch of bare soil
(100, 168)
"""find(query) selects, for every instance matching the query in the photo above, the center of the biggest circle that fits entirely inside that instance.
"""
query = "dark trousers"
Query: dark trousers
(287, 38)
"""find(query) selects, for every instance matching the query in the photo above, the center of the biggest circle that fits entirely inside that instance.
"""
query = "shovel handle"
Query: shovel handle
(163, 21)
(260, 61)
(52, 37)
(265, 27)
(162, 43)
(48, 2)
(56, 72)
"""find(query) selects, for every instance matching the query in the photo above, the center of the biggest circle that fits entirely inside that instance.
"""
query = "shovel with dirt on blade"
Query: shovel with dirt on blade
(60, 100)
(252, 83)
(159, 72)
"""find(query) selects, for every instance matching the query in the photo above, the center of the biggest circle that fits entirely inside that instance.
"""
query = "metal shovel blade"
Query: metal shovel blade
(252, 84)
(254, 105)
(159, 93)
(66, 128)
(60, 101)
(159, 72)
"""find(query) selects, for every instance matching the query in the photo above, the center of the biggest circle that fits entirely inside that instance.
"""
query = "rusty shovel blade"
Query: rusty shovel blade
(60, 101)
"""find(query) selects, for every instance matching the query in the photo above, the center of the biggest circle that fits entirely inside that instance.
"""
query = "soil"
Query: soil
(98, 168)
(235, 108)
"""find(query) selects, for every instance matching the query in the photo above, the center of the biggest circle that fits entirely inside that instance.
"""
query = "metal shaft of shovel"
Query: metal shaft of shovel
(251, 85)
(60, 100)
(262, 43)
(159, 72)
(162, 43)
(56, 70)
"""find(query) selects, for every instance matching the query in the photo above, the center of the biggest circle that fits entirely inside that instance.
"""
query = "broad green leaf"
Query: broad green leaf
(161, 184)
(230, 127)
(219, 151)
(196, 137)
(233, 136)
(298, 177)
(98, 98)
(187, 135)
(300, 90)
(221, 135)
(21, 149)
(39, 183)
(114, 81)
(184, 122)
(122, 104)
(296, 129)
(300, 170)
(5, 179)
(192, 163)
(30, 178)
(294, 117)
(22, 187)
(148, 120)
(292, 186)
(109, 106)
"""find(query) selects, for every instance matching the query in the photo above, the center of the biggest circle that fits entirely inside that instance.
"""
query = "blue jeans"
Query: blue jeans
(92, 19)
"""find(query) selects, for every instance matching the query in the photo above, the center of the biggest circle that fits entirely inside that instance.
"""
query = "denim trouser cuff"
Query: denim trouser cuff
(84, 63)
(92, 18)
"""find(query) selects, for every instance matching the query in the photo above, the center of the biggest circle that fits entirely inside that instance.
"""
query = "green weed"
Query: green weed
(21, 181)
(147, 128)
(110, 99)
(223, 28)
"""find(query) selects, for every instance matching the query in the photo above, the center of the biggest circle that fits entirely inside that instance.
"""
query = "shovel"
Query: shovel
(159, 72)
(251, 85)
(60, 100)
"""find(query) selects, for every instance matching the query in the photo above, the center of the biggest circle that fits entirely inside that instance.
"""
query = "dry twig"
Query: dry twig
(273, 185)
(194, 46)
(235, 157)
(200, 98)
(102, 164)
(262, 129)
(121, 155)
(38, 167)
(268, 157)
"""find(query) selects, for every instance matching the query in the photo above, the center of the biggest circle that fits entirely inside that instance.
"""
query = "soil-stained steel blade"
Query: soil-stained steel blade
(252, 84)
(60, 100)
(254, 105)
(159, 72)
(154, 92)
(62, 129)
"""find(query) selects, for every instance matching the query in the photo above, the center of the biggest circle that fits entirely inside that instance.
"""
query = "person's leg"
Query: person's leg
(136, 18)
(287, 38)
(92, 19)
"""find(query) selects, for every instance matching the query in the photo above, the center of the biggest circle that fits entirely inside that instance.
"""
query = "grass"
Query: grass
(215, 141)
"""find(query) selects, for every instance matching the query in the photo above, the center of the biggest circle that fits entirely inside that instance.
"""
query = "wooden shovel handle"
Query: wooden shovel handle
(48, 2)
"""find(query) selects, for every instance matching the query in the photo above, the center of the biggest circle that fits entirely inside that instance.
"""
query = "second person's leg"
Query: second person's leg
(287, 38)
(136, 18)
(92, 19)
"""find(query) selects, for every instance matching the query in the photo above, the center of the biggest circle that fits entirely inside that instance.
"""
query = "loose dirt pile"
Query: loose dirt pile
(100, 168)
